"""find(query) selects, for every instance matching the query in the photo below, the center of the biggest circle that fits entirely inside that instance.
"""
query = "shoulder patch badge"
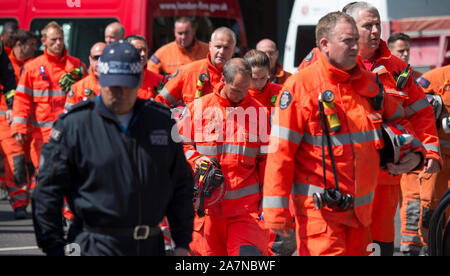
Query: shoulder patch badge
(423, 82)
(56, 135)
(310, 56)
(285, 99)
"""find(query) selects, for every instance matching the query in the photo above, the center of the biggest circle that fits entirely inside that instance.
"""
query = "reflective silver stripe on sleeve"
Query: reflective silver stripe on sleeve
(166, 94)
(346, 138)
(25, 90)
(432, 147)
(275, 202)
(365, 199)
(42, 124)
(189, 154)
(287, 134)
(398, 114)
(19, 120)
(246, 191)
(416, 107)
(227, 148)
(378, 68)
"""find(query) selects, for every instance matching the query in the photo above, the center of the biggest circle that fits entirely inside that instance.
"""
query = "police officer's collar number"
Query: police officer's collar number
(285, 99)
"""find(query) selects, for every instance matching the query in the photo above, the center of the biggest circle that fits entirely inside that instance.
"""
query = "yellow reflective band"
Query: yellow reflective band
(10, 94)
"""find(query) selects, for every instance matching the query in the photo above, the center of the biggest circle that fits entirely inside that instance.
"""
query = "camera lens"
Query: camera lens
(318, 201)
(346, 202)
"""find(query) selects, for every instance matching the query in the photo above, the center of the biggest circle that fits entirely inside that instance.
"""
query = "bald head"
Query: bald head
(96, 52)
(222, 46)
(236, 79)
(114, 32)
(269, 47)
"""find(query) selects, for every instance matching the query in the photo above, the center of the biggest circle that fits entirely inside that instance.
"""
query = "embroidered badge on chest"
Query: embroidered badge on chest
(159, 137)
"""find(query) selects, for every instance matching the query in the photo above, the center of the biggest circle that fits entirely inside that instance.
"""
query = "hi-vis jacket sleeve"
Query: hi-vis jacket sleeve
(421, 115)
(170, 95)
(22, 103)
(186, 131)
(394, 111)
(288, 123)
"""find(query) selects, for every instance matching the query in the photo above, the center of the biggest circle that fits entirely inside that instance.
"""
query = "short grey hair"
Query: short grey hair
(235, 66)
(225, 30)
(354, 9)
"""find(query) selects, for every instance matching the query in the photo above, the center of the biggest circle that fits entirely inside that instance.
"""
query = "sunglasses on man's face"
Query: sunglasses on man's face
(95, 57)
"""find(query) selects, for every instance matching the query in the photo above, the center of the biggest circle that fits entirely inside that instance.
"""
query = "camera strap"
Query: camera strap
(326, 133)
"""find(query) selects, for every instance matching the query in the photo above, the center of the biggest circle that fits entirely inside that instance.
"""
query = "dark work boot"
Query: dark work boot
(20, 213)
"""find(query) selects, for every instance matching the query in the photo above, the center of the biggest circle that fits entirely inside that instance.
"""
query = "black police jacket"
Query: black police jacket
(113, 177)
(7, 77)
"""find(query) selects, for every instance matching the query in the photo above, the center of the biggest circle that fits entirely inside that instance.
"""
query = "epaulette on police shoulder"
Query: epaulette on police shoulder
(85, 103)
(159, 106)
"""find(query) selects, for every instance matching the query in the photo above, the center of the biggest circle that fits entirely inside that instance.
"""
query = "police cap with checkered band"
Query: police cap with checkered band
(120, 65)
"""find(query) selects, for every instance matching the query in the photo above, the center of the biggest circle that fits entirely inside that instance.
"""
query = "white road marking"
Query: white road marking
(18, 248)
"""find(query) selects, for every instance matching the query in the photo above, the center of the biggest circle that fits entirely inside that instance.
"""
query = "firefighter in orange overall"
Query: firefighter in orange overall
(200, 77)
(374, 55)
(261, 89)
(324, 146)
(422, 191)
(89, 86)
(233, 126)
(152, 82)
(183, 50)
(17, 160)
(41, 93)
(277, 74)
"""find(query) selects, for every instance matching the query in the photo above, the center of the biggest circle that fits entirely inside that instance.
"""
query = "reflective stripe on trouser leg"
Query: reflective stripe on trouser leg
(19, 196)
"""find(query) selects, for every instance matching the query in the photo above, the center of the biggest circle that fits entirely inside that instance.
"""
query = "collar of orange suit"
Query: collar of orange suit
(255, 92)
(185, 51)
(225, 102)
(337, 75)
(13, 58)
(279, 72)
(364, 86)
(56, 59)
(211, 67)
(383, 52)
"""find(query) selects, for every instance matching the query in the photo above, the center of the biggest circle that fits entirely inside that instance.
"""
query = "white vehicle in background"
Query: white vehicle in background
(427, 22)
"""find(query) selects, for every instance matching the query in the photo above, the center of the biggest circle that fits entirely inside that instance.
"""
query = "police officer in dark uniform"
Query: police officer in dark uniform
(115, 161)
(8, 81)
(7, 77)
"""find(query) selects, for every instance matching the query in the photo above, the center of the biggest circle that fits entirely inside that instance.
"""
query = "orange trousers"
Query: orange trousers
(419, 198)
(318, 237)
(242, 235)
(385, 202)
(16, 167)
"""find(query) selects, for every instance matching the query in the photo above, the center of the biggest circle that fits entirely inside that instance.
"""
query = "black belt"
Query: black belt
(140, 232)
